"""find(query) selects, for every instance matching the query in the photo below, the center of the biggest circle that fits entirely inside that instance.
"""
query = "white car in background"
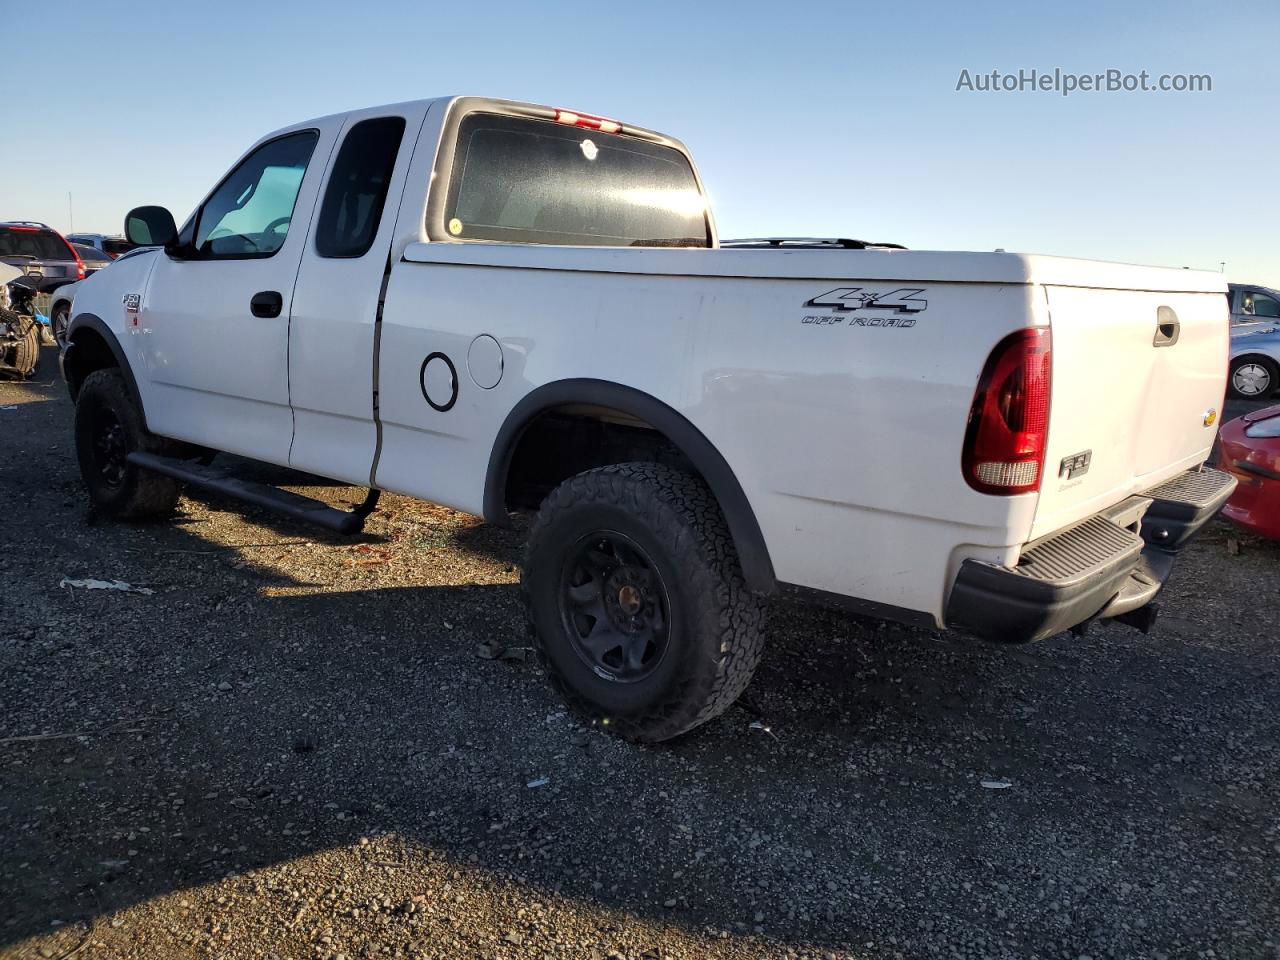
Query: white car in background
(60, 311)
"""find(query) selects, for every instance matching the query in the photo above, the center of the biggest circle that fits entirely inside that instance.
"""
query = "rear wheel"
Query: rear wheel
(639, 609)
(108, 427)
(1254, 378)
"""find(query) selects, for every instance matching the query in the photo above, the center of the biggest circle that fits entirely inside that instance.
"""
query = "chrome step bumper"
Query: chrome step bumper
(1111, 565)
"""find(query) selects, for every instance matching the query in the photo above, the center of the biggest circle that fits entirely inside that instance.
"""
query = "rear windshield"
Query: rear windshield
(91, 254)
(39, 244)
(536, 181)
(116, 247)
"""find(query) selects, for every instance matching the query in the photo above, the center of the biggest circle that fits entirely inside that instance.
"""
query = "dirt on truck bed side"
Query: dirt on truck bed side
(301, 746)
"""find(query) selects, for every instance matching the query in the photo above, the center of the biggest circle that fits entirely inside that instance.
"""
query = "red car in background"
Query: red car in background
(1250, 450)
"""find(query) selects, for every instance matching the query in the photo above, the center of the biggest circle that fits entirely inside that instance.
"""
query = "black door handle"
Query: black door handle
(268, 303)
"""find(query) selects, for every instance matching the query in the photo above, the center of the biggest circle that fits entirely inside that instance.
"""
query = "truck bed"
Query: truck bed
(855, 428)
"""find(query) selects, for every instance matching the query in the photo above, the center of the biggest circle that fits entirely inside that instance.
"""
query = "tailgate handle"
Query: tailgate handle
(1167, 327)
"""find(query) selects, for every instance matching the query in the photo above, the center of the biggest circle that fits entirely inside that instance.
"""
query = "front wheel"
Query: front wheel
(108, 427)
(640, 613)
(1254, 378)
(58, 321)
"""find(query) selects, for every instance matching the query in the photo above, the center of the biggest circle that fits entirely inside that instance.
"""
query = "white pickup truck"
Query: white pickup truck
(498, 307)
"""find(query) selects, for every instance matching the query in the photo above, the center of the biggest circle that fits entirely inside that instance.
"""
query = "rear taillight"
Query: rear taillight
(79, 263)
(587, 122)
(1009, 420)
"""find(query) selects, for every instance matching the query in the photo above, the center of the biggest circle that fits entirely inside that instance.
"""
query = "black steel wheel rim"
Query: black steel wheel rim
(108, 445)
(614, 607)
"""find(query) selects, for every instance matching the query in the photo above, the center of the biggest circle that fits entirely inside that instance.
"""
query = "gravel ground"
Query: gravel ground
(300, 746)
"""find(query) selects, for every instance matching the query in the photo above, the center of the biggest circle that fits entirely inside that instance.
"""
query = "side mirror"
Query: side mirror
(150, 227)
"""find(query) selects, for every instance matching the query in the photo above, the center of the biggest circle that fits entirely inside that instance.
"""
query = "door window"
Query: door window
(248, 214)
(1259, 305)
(357, 189)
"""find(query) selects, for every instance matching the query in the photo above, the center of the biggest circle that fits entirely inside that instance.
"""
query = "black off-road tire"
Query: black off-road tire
(104, 399)
(715, 630)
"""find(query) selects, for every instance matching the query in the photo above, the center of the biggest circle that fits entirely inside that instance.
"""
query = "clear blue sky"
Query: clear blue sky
(805, 118)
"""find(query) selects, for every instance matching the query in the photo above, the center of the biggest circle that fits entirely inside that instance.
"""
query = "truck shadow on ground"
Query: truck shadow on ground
(218, 728)
(369, 714)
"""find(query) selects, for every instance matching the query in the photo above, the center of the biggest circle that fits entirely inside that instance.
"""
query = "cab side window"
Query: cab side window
(248, 214)
(357, 189)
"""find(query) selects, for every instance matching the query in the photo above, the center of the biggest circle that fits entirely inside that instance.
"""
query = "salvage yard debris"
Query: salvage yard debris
(369, 555)
(90, 584)
(496, 650)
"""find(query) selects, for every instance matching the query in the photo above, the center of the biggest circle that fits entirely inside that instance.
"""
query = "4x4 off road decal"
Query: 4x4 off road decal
(846, 300)
(902, 300)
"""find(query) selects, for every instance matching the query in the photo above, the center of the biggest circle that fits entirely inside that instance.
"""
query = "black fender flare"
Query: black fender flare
(67, 358)
(753, 554)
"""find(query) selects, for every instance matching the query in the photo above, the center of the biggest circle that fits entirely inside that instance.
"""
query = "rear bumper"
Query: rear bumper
(1110, 565)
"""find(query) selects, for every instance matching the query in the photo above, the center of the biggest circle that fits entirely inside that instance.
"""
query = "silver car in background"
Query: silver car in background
(111, 246)
(1255, 341)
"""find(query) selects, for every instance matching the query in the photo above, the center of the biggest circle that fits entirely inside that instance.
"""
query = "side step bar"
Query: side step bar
(260, 494)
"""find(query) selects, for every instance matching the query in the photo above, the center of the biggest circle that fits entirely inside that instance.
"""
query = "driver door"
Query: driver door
(214, 324)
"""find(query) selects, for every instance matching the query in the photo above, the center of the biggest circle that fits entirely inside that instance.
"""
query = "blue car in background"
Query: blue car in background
(1255, 341)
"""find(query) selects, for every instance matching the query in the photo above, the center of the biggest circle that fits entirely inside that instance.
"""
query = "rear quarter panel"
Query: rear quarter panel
(845, 438)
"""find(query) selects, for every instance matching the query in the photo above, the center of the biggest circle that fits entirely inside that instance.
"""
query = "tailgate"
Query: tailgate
(1136, 373)
(46, 271)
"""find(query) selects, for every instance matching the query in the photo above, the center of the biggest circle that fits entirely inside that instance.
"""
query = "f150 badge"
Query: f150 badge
(845, 300)
(1075, 465)
(132, 304)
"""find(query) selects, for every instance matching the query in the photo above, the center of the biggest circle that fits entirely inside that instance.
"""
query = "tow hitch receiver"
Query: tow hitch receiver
(1142, 619)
